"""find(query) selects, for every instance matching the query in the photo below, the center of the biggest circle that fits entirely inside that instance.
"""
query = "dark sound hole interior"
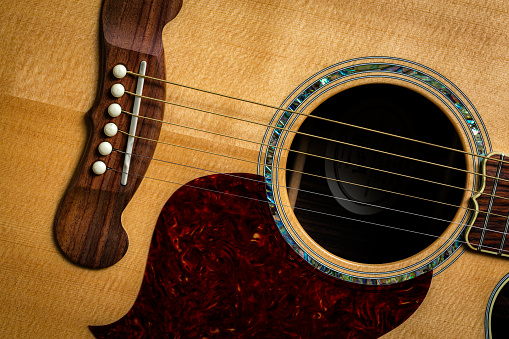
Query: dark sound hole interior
(500, 315)
(375, 226)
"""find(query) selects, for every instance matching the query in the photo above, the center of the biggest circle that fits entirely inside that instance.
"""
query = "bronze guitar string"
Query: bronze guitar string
(311, 174)
(336, 141)
(323, 138)
(317, 193)
(308, 210)
(332, 159)
(291, 111)
(327, 139)
(334, 121)
(311, 135)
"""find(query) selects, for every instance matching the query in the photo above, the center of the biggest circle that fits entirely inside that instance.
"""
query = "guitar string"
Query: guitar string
(338, 160)
(297, 113)
(312, 211)
(485, 157)
(333, 121)
(300, 172)
(327, 139)
(323, 194)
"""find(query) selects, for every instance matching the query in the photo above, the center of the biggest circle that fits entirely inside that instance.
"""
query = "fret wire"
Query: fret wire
(490, 205)
(506, 228)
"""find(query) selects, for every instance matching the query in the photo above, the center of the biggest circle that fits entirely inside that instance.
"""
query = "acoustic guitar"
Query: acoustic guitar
(254, 169)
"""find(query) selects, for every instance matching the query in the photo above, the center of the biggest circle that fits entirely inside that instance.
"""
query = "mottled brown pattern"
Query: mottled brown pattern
(219, 268)
(492, 221)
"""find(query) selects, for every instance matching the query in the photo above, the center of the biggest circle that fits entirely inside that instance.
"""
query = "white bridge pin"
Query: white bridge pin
(114, 110)
(99, 167)
(119, 71)
(110, 129)
(117, 90)
(105, 148)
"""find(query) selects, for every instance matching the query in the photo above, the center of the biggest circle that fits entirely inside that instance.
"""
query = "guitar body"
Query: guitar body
(260, 51)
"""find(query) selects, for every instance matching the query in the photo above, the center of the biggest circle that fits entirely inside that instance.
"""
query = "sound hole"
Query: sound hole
(375, 226)
(500, 314)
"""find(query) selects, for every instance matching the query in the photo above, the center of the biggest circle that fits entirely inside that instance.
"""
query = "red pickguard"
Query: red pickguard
(219, 268)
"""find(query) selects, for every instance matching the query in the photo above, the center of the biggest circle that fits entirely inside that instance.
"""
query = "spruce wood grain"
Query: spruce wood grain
(259, 50)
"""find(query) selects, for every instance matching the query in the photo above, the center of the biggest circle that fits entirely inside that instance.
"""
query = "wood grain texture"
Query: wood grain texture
(137, 25)
(88, 224)
(252, 49)
(488, 232)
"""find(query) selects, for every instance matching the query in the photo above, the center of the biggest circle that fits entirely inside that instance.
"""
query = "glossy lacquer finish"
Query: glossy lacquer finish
(218, 267)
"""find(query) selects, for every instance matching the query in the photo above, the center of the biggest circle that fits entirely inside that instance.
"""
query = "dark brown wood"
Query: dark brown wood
(88, 228)
(488, 231)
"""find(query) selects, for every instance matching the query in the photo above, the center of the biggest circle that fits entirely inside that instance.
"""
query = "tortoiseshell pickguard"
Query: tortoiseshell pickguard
(219, 268)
